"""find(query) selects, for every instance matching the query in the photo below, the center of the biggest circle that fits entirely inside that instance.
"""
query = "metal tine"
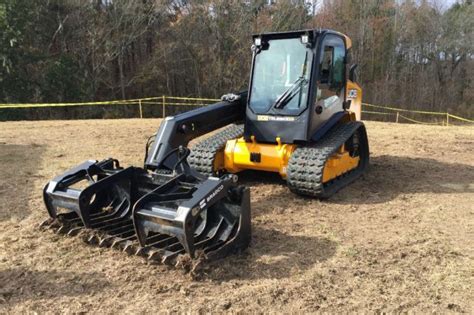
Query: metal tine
(119, 232)
(169, 257)
(46, 223)
(112, 214)
(130, 247)
(70, 218)
(75, 218)
(50, 224)
(74, 231)
(106, 225)
(106, 236)
(151, 241)
(118, 240)
(153, 253)
(173, 247)
(126, 226)
(67, 216)
(218, 243)
(66, 228)
(154, 243)
(116, 216)
(63, 229)
(172, 251)
(98, 216)
(164, 241)
(108, 239)
(211, 234)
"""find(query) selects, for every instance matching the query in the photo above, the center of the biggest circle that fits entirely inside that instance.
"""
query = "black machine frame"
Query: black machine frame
(296, 128)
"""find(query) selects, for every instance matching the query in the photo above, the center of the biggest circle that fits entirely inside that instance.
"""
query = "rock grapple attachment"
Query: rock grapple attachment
(157, 214)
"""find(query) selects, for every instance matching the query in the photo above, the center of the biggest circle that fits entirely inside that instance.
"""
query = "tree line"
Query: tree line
(412, 54)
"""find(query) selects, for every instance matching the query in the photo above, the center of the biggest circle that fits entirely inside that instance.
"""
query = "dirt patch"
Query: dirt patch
(18, 168)
(400, 239)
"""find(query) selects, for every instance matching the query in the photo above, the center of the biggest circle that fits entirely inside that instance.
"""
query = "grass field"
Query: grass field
(400, 239)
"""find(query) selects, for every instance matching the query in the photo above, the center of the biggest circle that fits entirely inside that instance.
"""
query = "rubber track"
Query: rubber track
(203, 154)
(306, 165)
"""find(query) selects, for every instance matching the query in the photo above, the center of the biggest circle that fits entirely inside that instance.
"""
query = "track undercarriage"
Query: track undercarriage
(307, 164)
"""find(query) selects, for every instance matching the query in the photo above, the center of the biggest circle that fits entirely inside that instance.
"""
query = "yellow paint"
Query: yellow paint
(338, 164)
(357, 101)
(273, 157)
(348, 41)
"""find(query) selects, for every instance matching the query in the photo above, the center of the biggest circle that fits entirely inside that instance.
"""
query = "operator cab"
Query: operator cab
(297, 85)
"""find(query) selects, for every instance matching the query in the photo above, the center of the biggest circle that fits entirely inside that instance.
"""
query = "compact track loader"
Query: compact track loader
(299, 118)
(302, 113)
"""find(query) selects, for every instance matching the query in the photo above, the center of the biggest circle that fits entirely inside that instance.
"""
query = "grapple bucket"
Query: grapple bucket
(157, 215)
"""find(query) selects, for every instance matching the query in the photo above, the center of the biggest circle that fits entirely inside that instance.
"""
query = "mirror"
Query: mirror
(352, 73)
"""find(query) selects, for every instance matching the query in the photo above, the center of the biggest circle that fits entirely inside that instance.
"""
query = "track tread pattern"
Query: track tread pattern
(203, 154)
(306, 165)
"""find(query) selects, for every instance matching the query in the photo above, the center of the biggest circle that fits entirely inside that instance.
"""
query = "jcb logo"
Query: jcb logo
(352, 93)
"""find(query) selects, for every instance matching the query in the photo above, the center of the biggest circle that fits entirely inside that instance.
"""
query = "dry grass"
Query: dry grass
(400, 239)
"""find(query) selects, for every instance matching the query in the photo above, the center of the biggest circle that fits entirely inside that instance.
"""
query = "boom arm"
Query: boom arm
(176, 131)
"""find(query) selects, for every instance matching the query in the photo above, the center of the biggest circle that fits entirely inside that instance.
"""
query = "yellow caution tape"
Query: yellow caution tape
(403, 110)
(155, 100)
(175, 103)
(192, 98)
(185, 101)
(376, 113)
(460, 118)
(417, 121)
(120, 102)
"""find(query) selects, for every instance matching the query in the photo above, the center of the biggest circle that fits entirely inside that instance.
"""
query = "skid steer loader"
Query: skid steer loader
(299, 118)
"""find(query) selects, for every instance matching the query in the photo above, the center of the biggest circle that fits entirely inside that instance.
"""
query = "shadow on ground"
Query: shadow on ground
(22, 284)
(387, 178)
(18, 169)
(272, 255)
(390, 176)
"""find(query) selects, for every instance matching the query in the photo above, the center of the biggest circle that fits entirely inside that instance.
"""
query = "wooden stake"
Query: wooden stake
(164, 106)
(140, 107)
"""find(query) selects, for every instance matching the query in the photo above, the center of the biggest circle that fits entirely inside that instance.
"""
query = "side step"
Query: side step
(159, 216)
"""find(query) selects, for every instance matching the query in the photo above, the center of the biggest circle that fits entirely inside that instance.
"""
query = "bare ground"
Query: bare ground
(400, 239)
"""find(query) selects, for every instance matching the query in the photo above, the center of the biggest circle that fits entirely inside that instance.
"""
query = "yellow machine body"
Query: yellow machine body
(240, 155)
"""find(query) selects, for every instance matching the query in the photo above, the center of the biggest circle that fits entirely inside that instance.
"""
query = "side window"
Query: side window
(330, 83)
(332, 64)
(338, 68)
(326, 65)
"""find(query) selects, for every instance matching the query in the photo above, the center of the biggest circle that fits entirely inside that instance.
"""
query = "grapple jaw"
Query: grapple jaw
(201, 217)
(108, 186)
(160, 215)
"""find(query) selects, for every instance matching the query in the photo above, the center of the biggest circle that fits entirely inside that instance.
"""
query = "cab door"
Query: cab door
(330, 83)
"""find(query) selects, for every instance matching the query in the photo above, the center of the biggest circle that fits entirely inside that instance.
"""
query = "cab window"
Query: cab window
(332, 66)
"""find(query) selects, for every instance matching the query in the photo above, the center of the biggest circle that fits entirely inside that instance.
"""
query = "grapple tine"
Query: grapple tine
(93, 239)
(74, 231)
(131, 247)
(46, 223)
(118, 241)
(155, 254)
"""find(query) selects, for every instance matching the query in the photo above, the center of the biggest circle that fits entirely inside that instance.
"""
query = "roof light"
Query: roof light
(305, 39)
